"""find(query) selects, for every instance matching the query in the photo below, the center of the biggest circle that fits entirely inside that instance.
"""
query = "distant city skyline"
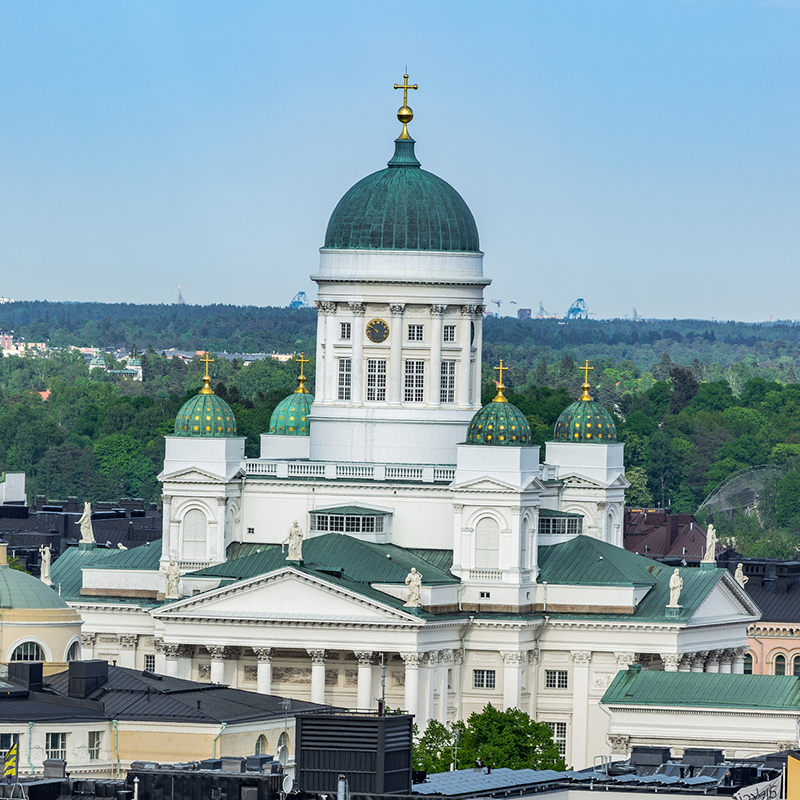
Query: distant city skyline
(637, 155)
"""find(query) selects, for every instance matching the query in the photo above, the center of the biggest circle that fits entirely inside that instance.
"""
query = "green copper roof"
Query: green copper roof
(585, 421)
(499, 423)
(205, 415)
(703, 689)
(20, 590)
(403, 207)
(290, 417)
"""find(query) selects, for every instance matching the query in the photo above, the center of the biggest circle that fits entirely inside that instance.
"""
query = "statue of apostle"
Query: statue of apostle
(675, 586)
(87, 534)
(414, 583)
(295, 541)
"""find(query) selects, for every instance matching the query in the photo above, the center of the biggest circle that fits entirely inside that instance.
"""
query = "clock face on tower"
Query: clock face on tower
(377, 331)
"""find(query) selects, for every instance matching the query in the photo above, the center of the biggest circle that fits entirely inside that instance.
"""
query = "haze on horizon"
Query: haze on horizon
(635, 154)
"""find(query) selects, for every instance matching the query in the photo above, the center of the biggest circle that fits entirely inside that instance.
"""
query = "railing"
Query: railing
(190, 566)
(486, 575)
(348, 471)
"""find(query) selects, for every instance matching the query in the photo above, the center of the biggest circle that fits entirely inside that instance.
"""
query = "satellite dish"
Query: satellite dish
(288, 784)
(283, 755)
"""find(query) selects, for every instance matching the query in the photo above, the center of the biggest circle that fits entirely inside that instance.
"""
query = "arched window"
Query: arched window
(487, 544)
(194, 536)
(748, 664)
(28, 651)
(261, 745)
(283, 741)
(796, 666)
(780, 665)
(74, 652)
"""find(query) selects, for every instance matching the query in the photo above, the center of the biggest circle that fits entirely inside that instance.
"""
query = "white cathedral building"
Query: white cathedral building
(527, 600)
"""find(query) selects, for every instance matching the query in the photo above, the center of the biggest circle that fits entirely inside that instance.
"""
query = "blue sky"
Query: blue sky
(636, 154)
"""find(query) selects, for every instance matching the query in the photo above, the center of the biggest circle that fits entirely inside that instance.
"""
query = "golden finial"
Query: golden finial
(586, 387)
(302, 361)
(206, 379)
(405, 114)
(501, 398)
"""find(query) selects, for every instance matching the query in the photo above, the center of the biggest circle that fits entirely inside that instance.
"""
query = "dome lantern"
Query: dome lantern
(585, 420)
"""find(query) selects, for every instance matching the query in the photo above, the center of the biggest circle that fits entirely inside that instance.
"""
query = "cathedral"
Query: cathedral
(396, 541)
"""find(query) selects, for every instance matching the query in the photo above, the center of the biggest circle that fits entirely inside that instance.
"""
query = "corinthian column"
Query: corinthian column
(396, 354)
(357, 366)
(463, 370)
(317, 675)
(580, 705)
(264, 676)
(411, 699)
(364, 680)
(435, 372)
(217, 663)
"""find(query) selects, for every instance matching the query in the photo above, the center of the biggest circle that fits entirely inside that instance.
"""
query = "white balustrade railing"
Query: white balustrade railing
(303, 470)
(258, 467)
(404, 473)
(444, 474)
(486, 574)
(354, 471)
(344, 471)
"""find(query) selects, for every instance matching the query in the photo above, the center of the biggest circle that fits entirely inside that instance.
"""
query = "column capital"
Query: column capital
(358, 309)
(222, 501)
(619, 743)
(446, 656)
(412, 660)
(263, 654)
(671, 661)
(166, 499)
(741, 652)
(468, 311)
(185, 650)
(430, 658)
(88, 639)
(581, 657)
(458, 507)
(438, 309)
(171, 651)
(158, 644)
(624, 660)
(325, 307)
(601, 505)
(364, 658)
(317, 656)
(512, 657)
(216, 652)
(480, 310)
(397, 309)
(533, 655)
(128, 641)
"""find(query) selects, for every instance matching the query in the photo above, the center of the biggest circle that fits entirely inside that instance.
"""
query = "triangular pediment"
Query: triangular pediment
(727, 601)
(576, 479)
(485, 484)
(196, 475)
(286, 595)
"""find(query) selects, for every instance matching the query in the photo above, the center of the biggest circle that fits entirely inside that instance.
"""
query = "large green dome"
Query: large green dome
(290, 417)
(20, 590)
(499, 423)
(585, 421)
(403, 207)
(205, 415)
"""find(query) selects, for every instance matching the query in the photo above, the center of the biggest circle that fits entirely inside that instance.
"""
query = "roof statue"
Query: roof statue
(739, 575)
(205, 414)
(499, 422)
(414, 583)
(710, 556)
(44, 574)
(290, 417)
(173, 578)
(87, 534)
(675, 587)
(295, 541)
(585, 420)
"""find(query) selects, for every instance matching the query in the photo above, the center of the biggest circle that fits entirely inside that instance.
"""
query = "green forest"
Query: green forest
(695, 401)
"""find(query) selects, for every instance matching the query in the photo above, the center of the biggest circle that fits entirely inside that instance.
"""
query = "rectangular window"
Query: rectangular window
(56, 745)
(559, 735)
(415, 381)
(484, 679)
(150, 662)
(95, 740)
(336, 524)
(376, 380)
(344, 378)
(415, 333)
(6, 740)
(556, 679)
(344, 330)
(447, 385)
(449, 333)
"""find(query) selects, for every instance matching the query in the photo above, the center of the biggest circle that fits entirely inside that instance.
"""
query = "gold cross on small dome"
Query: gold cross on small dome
(585, 368)
(302, 361)
(501, 398)
(405, 114)
(206, 379)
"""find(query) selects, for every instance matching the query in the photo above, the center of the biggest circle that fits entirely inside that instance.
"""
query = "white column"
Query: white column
(725, 661)
(581, 659)
(185, 654)
(166, 544)
(699, 662)
(435, 371)
(127, 653)
(463, 369)
(670, 661)
(317, 675)
(445, 660)
(411, 699)
(264, 677)
(458, 510)
(217, 663)
(216, 550)
(427, 685)
(712, 663)
(319, 367)
(357, 365)
(478, 345)
(331, 367)
(364, 700)
(396, 354)
(738, 660)
(512, 685)
(533, 667)
(171, 655)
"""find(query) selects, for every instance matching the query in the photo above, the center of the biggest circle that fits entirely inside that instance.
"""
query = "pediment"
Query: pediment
(485, 484)
(195, 475)
(576, 479)
(286, 595)
(727, 601)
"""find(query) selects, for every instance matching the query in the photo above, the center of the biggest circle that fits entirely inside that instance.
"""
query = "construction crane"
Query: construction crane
(578, 310)
(543, 314)
(498, 303)
(299, 301)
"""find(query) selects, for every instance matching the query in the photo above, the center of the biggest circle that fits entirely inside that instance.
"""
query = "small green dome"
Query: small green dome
(585, 421)
(403, 207)
(290, 417)
(499, 423)
(20, 590)
(205, 415)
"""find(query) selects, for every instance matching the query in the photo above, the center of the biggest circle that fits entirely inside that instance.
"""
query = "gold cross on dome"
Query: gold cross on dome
(302, 361)
(585, 368)
(206, 379)
(405, 86)
(501, 398)
(207, 360)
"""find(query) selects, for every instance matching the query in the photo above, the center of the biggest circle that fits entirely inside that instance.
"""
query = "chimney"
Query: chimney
(86, 676)
(3, 554)
(26, 673)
